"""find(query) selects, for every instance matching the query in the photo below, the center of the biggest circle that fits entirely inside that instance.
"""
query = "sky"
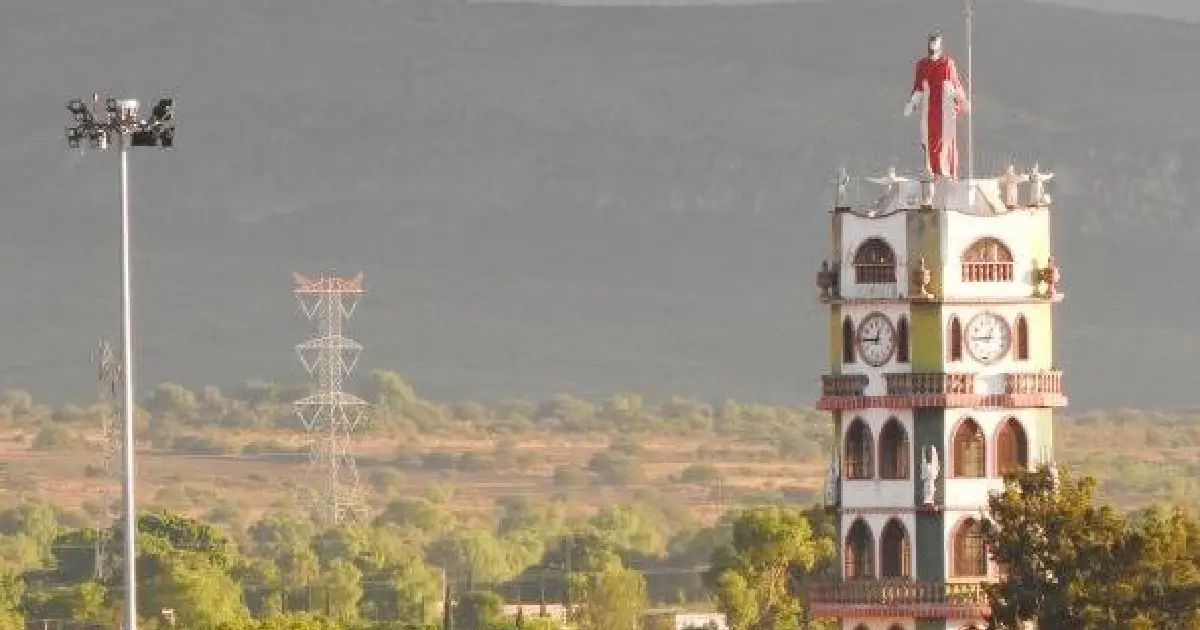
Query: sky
(1188, 10)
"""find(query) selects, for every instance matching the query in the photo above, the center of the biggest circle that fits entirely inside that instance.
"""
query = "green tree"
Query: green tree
(478, 610)
(341, 584)
(754, 576)
(1067, 561)
(610, 598)
(12, 589)
(186, 565)
(1074, 564)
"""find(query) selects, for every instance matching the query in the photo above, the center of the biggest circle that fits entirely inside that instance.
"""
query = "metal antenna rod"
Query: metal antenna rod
(970, 92)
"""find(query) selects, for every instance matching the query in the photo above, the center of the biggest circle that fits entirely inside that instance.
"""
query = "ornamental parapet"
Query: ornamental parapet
(844, 384)
(930, 383)
(899, 598)
(911, 390)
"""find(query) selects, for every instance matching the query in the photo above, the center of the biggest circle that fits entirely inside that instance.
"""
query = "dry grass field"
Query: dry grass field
(256, 483)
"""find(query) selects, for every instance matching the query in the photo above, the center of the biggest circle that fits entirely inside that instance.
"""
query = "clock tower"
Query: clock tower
(941, 380)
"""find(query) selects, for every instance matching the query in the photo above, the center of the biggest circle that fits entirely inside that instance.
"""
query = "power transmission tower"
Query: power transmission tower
(108, 373)
(330, 414)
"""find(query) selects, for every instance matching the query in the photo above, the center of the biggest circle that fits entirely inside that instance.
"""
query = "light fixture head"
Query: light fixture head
(143, 138)
(74, 139)
(164, 110)
(98, 140)
(78, 110)
(127, 109)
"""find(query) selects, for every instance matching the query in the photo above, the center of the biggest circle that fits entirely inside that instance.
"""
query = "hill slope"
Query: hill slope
(564, 199)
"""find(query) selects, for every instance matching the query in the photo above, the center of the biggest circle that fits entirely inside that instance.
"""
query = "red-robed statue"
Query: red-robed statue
(936, 87)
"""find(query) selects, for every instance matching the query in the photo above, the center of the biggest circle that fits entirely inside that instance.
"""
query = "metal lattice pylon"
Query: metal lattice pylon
(330, 414)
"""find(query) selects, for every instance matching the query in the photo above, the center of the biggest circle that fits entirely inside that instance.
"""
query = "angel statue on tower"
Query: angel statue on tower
(936, 86)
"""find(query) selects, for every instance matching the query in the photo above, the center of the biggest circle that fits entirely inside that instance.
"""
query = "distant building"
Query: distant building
(684, 620)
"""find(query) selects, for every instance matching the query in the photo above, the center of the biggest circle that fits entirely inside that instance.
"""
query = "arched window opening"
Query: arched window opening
(987, 260)
(893, 451)
(954, 340)
(1021, 339)
(1012, 448)
(970, 553)
(847, 340)
(895, 555)
(969, 450)
(902, 340)
(859, 463)
(874, 262)
(860, 552)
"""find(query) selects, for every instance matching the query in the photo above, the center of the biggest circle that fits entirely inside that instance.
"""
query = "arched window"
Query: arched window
(859, 463)
(847, 340)
(893, 451)
(954, 344)
(987, 260)
(970, 554)
(874, 262)
(1012, 448)
(860, 552)
(1020, 339)
(895, 552)
(969, 450)
(902, 340)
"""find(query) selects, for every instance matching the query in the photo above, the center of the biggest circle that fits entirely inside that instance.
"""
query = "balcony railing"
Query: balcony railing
(987, 272)
(930, 383)
(844, 385)
(875, 273)
(1049, 382)
(894, 597)
(941, 389)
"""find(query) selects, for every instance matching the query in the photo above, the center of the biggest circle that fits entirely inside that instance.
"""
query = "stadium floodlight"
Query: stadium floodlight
(122, 125)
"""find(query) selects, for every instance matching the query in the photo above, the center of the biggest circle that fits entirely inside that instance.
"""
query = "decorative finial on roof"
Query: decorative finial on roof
(890, 178)
(843, 188)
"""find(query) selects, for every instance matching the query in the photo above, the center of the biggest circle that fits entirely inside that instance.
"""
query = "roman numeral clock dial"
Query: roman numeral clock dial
(876, 339)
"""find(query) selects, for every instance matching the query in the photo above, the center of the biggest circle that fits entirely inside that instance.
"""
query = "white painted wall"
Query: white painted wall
(973, 492)
(876, 522)
(989, 382)
(878, 624)
(905, 624)
(960, 230)
(877, 386)
(878, 493)
(857, 229)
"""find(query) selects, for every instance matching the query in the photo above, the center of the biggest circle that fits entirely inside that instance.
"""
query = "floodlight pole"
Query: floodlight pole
(123, 125)
(127, 404)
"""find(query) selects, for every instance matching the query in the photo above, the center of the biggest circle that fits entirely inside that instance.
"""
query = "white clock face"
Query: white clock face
(876, 339)
(987, 337)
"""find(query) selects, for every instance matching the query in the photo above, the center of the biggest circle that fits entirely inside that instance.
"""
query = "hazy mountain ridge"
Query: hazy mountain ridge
(548, 199)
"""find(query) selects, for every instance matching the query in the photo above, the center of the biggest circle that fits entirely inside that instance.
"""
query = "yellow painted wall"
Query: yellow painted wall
(925, 331)
(1038, 238)
(835, 339)
(925, 239)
